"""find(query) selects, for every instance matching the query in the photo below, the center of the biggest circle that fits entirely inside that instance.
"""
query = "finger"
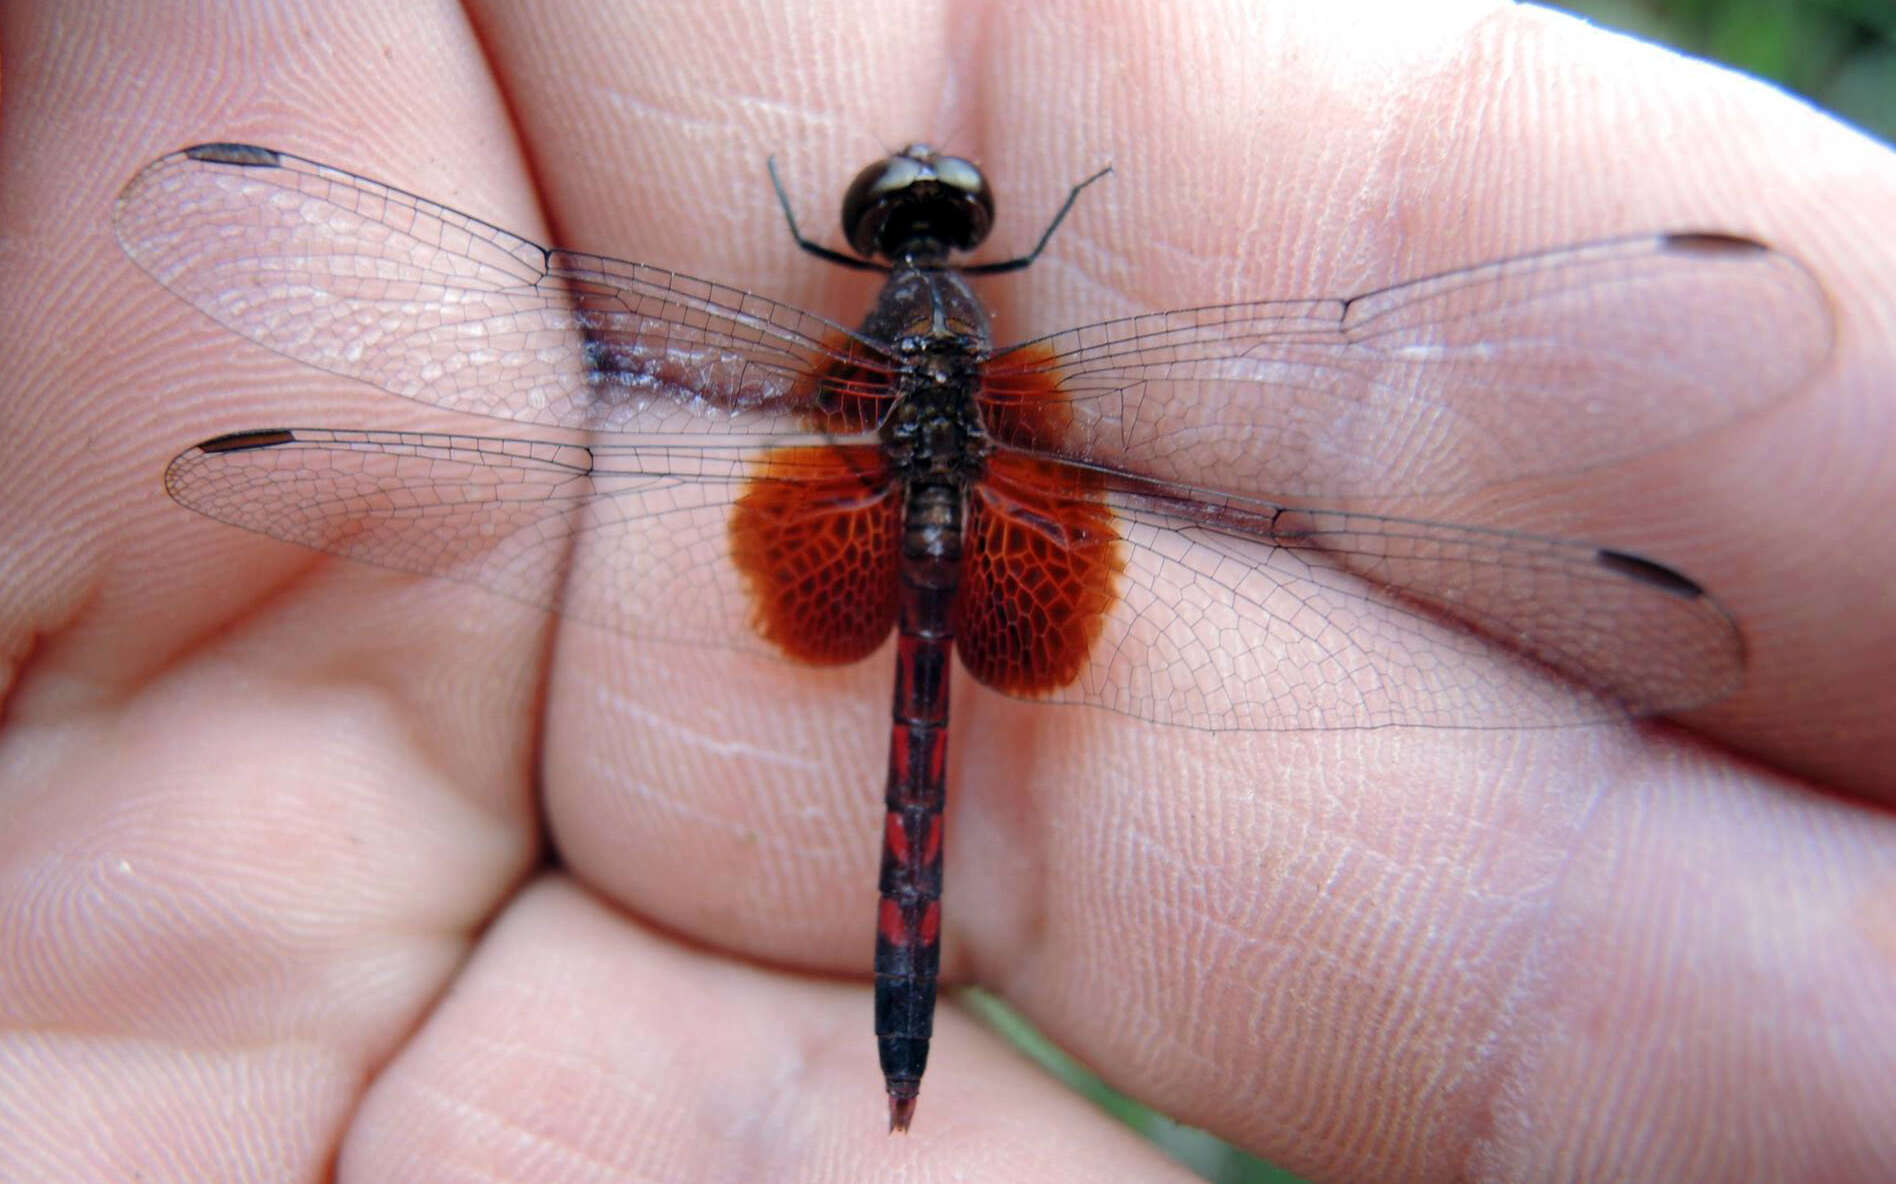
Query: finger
(697, 784)
(1361, 960)
(1227, 924)
(254, 810)
(578, 1042)
(1341, 152)
(118, 375)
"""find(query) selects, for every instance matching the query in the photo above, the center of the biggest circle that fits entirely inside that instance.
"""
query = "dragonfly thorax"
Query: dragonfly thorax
(935, 433)
(937, 336)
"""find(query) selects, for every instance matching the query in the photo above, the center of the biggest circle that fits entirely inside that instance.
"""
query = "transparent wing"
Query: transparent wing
(1230, 614)
(366, 281)
(1547, 363)
(1236, 614)
(1235, 611)
(631, 538)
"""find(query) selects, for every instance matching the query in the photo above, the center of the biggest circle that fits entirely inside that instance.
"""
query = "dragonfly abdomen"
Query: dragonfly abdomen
(908, 923)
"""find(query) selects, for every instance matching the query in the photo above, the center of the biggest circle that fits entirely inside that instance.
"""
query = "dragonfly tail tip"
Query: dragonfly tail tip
(900, 1111)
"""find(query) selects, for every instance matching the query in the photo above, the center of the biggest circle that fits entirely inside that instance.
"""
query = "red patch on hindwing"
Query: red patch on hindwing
(1042, 555)
(816, 532)
(815, 535)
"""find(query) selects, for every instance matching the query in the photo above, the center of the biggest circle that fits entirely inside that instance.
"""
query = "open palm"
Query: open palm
(309, 864)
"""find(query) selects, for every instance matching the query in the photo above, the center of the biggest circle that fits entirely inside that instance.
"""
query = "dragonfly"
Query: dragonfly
(1172, 516)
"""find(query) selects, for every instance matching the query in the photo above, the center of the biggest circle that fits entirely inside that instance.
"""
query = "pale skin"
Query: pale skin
(309, 868)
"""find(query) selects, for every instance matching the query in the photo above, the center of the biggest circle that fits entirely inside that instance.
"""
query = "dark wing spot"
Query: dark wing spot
(1700, 242)
(246, 441)
(1648, 572)
(247, 155)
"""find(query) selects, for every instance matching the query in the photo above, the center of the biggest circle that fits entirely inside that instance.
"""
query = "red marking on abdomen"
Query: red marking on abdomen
(891, 925)
(895, 839)
(930, 928)
(931, 841)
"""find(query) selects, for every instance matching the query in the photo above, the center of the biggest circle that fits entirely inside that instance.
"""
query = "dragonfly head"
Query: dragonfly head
(918, 204)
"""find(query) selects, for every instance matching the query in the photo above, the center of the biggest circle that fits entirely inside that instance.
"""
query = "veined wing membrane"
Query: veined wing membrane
(631, 538)
(1542, 364)
(1233, 614)
(1241, 614)
(373, 283)
(1237, 612)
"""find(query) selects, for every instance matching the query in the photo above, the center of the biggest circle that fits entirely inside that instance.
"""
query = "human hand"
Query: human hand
(277, 886)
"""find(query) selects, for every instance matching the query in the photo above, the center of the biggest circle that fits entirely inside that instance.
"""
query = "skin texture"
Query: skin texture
(313, 869)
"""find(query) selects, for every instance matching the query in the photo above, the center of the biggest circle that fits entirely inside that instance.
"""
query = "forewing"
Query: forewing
(364, 280)
(1547, 363)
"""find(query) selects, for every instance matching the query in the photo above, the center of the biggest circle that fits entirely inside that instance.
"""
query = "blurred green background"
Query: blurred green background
(1840, 54)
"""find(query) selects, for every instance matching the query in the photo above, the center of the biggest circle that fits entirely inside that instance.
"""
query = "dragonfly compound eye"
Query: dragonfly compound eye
(917, 203)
